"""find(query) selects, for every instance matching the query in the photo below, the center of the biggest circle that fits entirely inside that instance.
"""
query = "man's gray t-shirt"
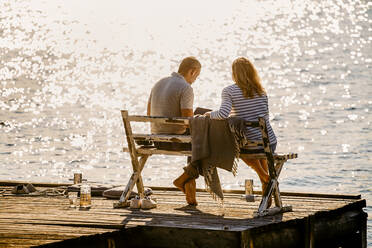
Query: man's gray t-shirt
(167, 98)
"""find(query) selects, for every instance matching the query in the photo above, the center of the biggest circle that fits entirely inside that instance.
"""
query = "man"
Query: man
(174, 97)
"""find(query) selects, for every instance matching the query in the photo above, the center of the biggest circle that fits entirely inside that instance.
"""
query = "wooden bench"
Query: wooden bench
(139, 155)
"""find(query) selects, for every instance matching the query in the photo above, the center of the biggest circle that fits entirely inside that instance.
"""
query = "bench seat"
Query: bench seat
(149, 150)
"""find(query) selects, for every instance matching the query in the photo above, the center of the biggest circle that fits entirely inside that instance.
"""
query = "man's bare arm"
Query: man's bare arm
(149, 107)
(187, 113)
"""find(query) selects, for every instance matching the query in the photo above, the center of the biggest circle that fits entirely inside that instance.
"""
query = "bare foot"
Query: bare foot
(180, 182)
(179, 185)
(190, 188)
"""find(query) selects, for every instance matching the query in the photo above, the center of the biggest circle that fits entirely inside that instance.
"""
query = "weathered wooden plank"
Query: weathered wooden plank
(159, 119)
(163, 138)
(151, 151)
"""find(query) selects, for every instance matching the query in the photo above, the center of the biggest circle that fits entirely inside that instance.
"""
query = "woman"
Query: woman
(247, 99)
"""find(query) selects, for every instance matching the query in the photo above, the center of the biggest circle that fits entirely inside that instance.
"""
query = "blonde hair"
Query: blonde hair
(188, 63)
(245, 76)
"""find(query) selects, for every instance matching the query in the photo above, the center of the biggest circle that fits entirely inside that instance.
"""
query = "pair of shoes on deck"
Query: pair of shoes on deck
(145, 203)
(23, 189)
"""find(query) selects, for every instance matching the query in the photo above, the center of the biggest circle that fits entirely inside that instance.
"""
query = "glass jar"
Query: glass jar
(85, 196)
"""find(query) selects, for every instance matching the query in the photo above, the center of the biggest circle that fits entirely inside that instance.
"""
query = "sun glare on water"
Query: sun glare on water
(68, 67)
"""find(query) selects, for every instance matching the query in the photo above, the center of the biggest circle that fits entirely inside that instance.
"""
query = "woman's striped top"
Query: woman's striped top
(235, 104)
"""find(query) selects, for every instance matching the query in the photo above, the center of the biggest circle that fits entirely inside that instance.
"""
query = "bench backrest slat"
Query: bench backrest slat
(173, 120)
(180, 139)
(159, 119)
(163, 138)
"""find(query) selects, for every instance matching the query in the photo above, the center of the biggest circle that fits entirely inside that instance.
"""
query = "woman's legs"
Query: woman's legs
(264, 165)
(261, 168)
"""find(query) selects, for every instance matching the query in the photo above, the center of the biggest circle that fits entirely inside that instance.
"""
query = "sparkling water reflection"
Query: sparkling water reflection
(67, 68)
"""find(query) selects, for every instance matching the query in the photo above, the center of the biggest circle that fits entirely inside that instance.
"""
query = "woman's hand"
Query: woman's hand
(208, 114)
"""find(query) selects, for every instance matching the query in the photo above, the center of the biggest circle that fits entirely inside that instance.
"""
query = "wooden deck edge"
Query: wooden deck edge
(153, 236)
(341, 227)
(311, 231)
(233, 191)
(357, 205)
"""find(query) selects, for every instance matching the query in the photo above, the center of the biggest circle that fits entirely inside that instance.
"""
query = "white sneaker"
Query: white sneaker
(148, 203)
(148, 192)
(135, 202)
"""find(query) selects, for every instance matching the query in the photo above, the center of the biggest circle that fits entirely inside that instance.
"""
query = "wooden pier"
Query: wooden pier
(317, 220)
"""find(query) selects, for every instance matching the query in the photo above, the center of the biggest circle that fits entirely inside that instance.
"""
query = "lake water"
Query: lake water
(68, 67)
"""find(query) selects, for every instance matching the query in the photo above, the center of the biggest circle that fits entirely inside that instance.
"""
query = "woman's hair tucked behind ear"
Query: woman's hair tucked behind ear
(245, 76)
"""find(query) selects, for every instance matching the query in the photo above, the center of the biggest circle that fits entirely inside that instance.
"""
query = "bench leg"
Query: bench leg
(273, 188)
(134, 179)
(263, 210)
(279, 166)
(266, 195)
(277, 198)
(139, 181)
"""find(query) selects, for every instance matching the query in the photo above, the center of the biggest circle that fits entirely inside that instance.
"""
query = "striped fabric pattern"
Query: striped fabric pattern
(235, 104)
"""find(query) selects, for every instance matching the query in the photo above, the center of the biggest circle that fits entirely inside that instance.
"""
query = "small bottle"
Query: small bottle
(78, 177)
(85, 196)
